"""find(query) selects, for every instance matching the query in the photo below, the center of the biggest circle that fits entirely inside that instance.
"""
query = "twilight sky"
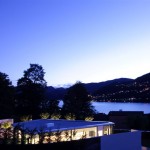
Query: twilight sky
(75, 40)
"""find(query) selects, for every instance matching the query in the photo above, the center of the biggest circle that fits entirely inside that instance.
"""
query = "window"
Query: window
(106, 130)
(91, 133)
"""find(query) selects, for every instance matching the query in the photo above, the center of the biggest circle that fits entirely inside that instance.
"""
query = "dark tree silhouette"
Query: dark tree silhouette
(30, 91)
(77, 102)
(50, 106)
(6, 96)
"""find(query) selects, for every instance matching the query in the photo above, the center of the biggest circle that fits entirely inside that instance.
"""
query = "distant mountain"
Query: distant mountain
(137, 90)
(122, 89)
(144, 78)
(92, 87)
(55, 93)
(58, 93)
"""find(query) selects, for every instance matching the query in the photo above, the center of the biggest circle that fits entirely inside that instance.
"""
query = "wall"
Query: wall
(122, 141)
(85, 144)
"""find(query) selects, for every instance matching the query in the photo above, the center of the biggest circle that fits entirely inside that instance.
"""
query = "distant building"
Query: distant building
(120, 118)
(76, 129)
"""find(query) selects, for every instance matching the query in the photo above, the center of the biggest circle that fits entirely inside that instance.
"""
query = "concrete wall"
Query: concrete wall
(122, 141)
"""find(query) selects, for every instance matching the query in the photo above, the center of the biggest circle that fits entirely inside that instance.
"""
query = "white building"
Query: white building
(74, 129)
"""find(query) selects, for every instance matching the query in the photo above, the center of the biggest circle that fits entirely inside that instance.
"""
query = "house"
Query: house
(122, 118)
(95, 135)
(64, 129)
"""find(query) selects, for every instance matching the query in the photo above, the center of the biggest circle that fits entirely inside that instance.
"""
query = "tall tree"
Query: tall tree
(77, 102)
(30, 91)
(6, 96)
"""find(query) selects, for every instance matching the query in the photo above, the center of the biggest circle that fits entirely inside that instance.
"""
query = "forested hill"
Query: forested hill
(93, 87)
(122, 89)
(58, 93)
(137, 90)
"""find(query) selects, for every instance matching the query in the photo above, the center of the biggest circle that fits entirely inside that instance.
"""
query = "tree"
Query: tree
(44, 115)
(55, 115)
(30, 91)
(50, 106)
(6, 96)
(6, 133)
(77, 102)
(70, 116)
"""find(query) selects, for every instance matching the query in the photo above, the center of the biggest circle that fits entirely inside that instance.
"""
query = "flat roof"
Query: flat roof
(54, 125)
(125, 113)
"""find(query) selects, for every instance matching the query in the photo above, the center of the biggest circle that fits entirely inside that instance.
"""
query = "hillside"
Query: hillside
(92, 87)
(122, 89)
(55, 93)
(137, 90)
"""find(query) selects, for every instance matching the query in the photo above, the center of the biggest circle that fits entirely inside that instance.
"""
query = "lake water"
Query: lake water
(105, 107)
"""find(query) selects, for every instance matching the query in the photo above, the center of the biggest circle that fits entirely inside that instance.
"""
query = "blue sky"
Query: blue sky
(75, 40)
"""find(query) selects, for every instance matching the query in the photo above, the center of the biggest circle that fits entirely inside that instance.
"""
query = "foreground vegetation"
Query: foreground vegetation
(28, 99)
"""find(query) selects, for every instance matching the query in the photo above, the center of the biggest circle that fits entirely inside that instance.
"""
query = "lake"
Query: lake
(105, 107)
